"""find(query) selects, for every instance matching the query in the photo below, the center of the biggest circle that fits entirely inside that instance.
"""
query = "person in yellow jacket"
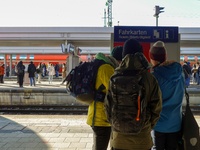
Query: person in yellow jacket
(96, 114)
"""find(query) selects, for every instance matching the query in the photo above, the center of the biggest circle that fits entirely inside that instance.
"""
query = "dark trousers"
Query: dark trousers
(165, 141)
(7, 74)
(1, 78)
(17, 78)
(21, 77)
(101, 137)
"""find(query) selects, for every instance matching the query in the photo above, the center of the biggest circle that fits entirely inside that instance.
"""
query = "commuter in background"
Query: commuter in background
(171, 80)
(16, 72)
(31, 71)
(195, 74)
(2, 73)
(197, 65)
(198, 79)
(44, 70)
(188, 63)
(57, 70)
(39, 72)
(20, 73)
(51, 71)
(133, 63)
(187, 73)
(64, 74)
(7, 70)
(96, 115)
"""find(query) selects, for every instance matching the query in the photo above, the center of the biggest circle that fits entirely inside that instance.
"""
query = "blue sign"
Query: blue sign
(145, 34)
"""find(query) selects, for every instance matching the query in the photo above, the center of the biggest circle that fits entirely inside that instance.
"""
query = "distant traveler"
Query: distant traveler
(39, 72)
(133, 102)
(195, 74)
(31, 71)
(57, 70)
(64, 74)
(16, 72)
(172, 84)
(96, 115)
(7, 70)
(51, 71)
(1, 73)
(44, 70)
(187, 73)
(20, 72)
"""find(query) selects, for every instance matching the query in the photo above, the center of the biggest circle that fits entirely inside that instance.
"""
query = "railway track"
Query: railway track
(58, 109)
(43, 109)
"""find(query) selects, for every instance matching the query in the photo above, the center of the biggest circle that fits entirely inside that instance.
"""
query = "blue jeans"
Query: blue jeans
(56, 73)
(50, 78)
(32, 78)
(187, 81)
(196, 78)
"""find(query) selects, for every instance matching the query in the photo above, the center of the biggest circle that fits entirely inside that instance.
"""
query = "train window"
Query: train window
(190, 58)
(23, 57)
(14, 57)
(198, 58)
(182, 58)
(1, 57)
(31, 57)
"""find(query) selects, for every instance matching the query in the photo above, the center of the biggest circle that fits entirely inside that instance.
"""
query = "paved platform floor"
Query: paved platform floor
(46, 132)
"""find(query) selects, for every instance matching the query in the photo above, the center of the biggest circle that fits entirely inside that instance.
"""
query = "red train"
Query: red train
(36, 59)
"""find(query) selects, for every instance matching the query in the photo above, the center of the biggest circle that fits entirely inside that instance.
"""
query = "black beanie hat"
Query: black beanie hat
(117, 52)
(131, 46)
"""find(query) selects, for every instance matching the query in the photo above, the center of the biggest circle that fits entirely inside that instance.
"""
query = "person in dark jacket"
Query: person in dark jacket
(44, 70)
(7, 70)
(31, 71)
(171, 80)
(187, 73)
(20, 68)
(56, 69)
(136, 64)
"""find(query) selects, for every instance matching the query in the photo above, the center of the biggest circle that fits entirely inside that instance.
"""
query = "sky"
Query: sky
(90, 13)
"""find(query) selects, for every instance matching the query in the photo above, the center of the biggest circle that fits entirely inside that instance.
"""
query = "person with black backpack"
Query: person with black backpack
(172, 84)
(96, 114)
(31, 71)
(20, 73)
(133, 101)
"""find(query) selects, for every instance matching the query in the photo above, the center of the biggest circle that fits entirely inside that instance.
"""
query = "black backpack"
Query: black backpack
(20, 69)
(126, 105)
(81, 82)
